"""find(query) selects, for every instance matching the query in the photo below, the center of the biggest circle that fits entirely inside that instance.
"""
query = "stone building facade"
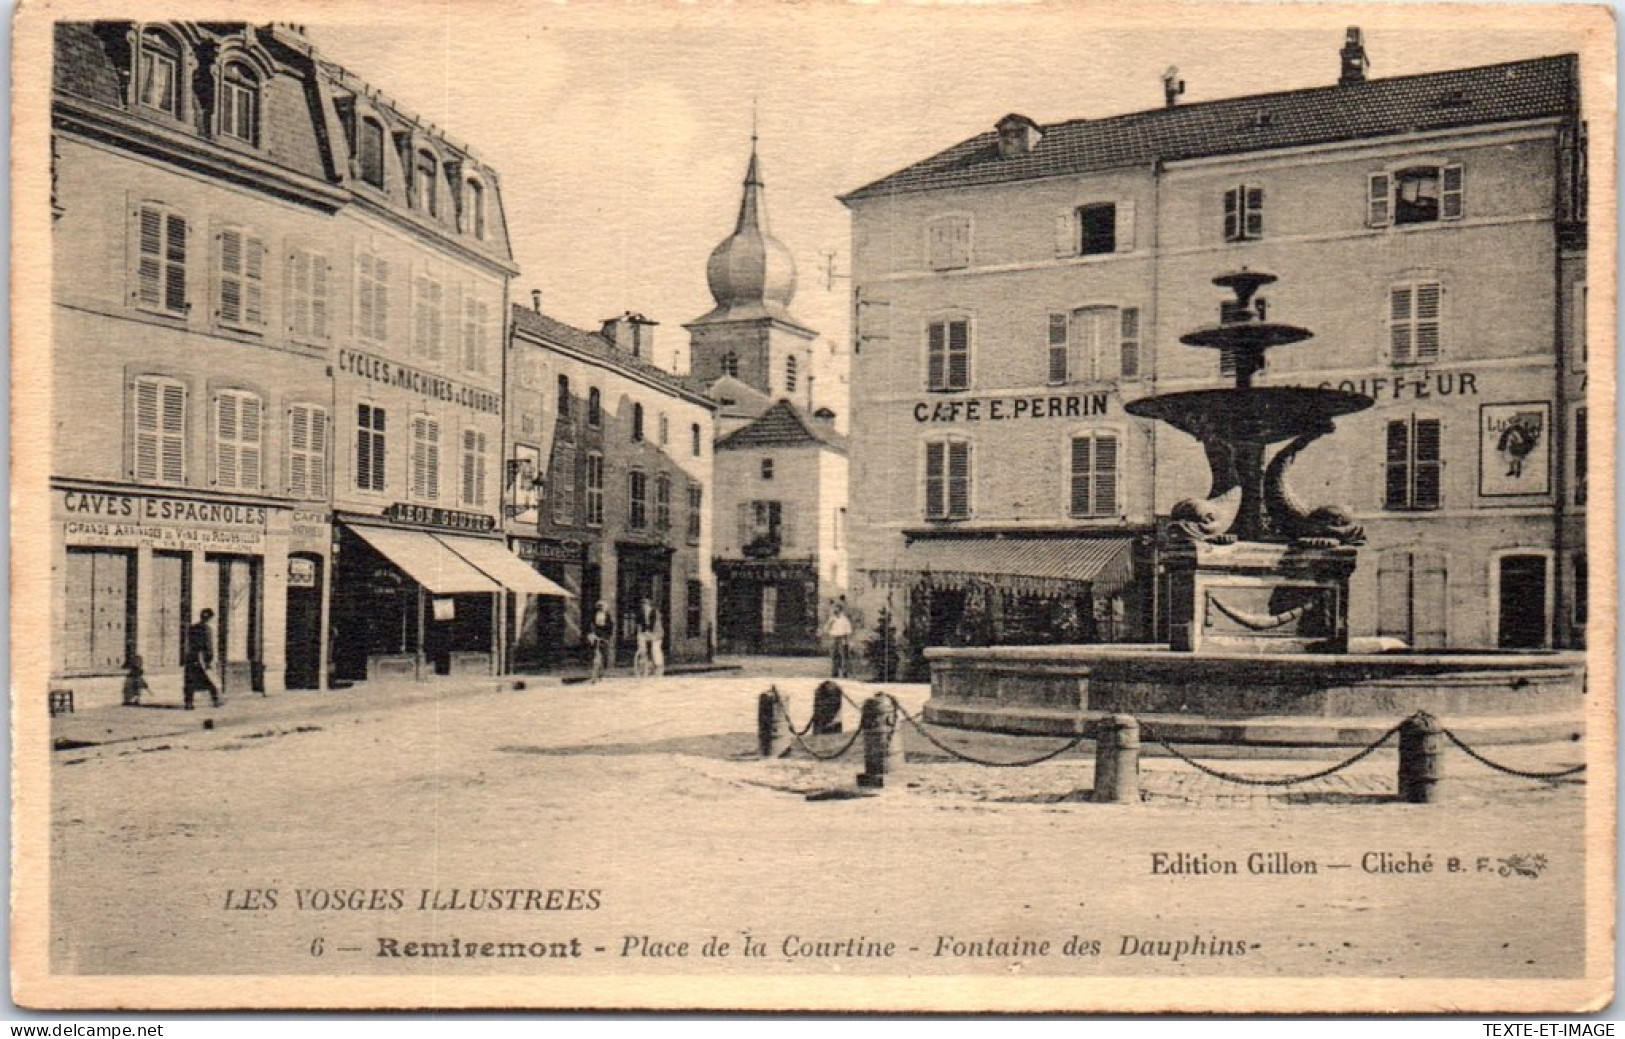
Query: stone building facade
(1018, 289)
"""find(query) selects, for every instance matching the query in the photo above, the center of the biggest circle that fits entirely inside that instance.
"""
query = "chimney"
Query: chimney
(1354, 60)
(536, 300)
(1172, 86)
(643, 336)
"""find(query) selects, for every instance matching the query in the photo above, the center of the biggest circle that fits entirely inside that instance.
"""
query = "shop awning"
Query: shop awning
(425, 560)
(494, 559)
(1049, 566)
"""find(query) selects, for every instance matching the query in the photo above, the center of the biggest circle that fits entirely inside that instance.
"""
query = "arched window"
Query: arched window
(637, 422)
(790, 374)
(158, 71)
(474, 208)
(595, 408)
(425, 172)
(240, 103)
(371, 149)
(730, 365)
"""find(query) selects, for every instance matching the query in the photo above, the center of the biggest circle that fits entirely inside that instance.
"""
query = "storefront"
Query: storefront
(136, 569)
(641, 572)
(419, 592)
(768, 606)
(546, 633)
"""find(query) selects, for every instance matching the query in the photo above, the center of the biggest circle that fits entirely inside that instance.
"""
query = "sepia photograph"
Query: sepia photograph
(822, 507)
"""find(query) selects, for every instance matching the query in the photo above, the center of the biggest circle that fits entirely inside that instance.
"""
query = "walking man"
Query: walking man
(651, 632)
(199, 658)
(839, 630)
(600, 637)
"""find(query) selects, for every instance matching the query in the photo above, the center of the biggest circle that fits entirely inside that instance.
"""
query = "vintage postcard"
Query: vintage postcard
(1048, 507)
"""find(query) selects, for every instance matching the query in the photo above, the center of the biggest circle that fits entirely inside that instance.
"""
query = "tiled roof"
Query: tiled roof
(1531, 89)
(737, 399)
(782, 425)
(600, 349)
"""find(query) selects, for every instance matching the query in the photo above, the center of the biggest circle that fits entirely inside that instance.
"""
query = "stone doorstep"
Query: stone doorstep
(1258, 734)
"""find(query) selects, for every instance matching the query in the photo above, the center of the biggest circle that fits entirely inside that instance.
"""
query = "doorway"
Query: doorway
(304, 638)
(1522, 621)
(238, 608)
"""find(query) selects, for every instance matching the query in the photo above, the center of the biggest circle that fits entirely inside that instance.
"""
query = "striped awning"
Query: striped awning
(1046, 566)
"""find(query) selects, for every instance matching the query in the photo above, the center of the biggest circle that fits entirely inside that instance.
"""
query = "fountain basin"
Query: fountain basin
(1332, 699)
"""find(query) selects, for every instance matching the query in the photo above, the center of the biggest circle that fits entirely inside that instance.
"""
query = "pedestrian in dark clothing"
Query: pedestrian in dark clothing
(199, 658)
(135, 681)
(601, 637)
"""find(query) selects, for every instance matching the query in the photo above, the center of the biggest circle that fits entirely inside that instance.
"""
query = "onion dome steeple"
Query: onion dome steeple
(751, 273)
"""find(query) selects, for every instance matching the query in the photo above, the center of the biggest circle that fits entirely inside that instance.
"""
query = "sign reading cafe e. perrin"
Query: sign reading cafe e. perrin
(1000, 409)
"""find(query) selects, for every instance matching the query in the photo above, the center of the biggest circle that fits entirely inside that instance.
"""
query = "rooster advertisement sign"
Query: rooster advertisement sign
(1514, 444)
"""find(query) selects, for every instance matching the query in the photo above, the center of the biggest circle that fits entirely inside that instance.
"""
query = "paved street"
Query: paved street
(649, 795)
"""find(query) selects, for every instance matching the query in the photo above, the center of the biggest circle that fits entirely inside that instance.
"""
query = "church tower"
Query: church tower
(750, 334)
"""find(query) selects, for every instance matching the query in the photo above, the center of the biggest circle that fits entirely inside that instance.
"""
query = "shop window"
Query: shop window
(1416, 195)
(476, 460)
(637, 498)
(240, 277)
(662, 502)
(372, 297)
(161, 236)
(947, 479)
(306, 286)
(948, 355)
(1244, 213)
(694, 614)
(425, 484)
(1094, 475)
(158, 73)
(696, 513)
(160, 430)
(369, 448)
(1413, 463)
(1411, 599)
(428, 317)
(372, 152)
(307, 451)
(948, 242)
(595, 408)
(1414, 323)
(476, 334)
(240, 103)
(595, 489)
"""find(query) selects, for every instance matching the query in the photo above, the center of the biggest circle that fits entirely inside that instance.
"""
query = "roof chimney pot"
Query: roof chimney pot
(536, 300)
(1172, 86)
(1354, 58)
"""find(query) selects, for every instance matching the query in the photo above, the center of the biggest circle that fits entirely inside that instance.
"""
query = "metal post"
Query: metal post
(772, 725)
(418, 659)
(882, 748)
(1117, 759)
(1419, 746)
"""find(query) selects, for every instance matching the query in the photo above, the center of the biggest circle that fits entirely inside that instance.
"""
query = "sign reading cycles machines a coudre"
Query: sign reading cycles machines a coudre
(132, 520)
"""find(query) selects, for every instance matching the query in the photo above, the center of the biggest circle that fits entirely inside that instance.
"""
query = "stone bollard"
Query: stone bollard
(1117, 759)
(826, 716)
(772, 725)
(882, 746)
(1419, 745)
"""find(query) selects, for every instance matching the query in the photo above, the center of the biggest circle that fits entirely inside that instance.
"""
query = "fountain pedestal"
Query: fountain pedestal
(1250, 598)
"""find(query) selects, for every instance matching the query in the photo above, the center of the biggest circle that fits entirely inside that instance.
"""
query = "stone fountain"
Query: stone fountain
(1258, 603)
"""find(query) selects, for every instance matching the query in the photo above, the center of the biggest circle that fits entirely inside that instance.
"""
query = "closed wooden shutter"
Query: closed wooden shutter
(1125, 227)
(1401, 328)
(1105, 477)
(936, 479)
(425, 458)
(1129, 354)
(1452, 192)
(1083, 453)
(958, 355)
(1428, 295)
(959, 476)
(1396, 493)
(1379, 203)
(1428, 451)
(1057, 348)
(936, 361)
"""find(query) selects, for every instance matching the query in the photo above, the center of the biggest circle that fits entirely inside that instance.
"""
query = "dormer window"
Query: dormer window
(240, 103)
(372, 152)
(1419, 194)
(1018, 135)
(159, 74)
(474, 208)
(425, 171)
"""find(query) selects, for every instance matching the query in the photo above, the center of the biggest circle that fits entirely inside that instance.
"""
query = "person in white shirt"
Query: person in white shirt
(839, 630)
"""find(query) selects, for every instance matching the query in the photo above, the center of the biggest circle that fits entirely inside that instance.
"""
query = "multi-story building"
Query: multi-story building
(609, 476)
(274, 293)
(1018, 289)
(781, 471)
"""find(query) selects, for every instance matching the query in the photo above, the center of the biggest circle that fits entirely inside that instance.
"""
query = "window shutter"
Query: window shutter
(468, 467)
(1125, 227)
(786, 530)
(150, 257)
(1378, 211)
(746, 523)
(1130, 352)
(420, 317)
(319, 276)
(1253, 222)
(1397, 467)
(225, 440)
(1232, 214)
(296, 279)
(1082, 470)
(1428, 463)
(363, 447)
(1428, 297)
(1057, 348)
(1066, 233)
(1430, 605)
(299, 442)
(958, 355)
(366, 295)
(175, 263)
(936, 348)
(254, 280)
(1452, 194)
(1394, 598)
(959, 479)
(230, 310)
(1401, 347)
(1105, 475)
(148, 434)
(935, 476)
(249, 454)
